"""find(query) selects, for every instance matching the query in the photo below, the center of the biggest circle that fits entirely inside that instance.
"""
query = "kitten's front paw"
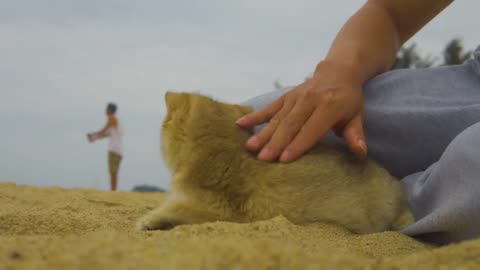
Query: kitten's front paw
(151, 222)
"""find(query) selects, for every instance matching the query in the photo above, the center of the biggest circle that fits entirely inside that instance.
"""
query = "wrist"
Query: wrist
(348, 54)
(349, 70)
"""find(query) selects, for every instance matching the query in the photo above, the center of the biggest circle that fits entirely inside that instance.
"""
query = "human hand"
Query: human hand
(90, 137)
(331, 99)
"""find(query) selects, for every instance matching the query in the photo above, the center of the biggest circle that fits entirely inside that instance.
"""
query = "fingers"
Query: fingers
(354, 136)
(255, 118)
(256, 142)
(286, 131)
(313, 129)
(300, 118)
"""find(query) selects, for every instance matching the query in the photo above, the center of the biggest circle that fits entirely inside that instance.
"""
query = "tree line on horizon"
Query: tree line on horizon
(410, 57)
(453, 54)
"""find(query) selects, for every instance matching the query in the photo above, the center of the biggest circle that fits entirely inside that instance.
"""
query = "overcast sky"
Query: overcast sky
(62, 61)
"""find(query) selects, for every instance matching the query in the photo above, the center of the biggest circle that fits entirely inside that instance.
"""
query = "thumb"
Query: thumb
(354, 136)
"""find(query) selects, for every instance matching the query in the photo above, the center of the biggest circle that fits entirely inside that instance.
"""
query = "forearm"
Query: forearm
(99, 134)
(104, 131)
(368, 42)
(370, 39)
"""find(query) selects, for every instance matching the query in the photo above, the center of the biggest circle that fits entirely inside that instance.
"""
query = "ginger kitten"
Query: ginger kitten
(214, 178)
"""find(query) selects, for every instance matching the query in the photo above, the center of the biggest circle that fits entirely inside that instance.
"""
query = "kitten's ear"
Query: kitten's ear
(173, 100)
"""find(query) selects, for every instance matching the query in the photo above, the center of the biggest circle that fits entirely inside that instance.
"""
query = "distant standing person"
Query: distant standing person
(113, 131)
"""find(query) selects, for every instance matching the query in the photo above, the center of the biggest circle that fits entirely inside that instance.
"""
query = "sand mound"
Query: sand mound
(54, 228)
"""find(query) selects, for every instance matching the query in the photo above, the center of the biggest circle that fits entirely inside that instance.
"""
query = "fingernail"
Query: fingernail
(254, 141)
(362, 145)
(286, 156)
(265, 154)
(241, 121)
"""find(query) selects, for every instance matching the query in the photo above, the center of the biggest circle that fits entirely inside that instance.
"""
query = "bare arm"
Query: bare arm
(332, 99)
(370, 39)
(111, 122)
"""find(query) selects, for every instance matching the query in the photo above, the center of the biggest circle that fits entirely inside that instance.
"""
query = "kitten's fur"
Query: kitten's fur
(214, 178)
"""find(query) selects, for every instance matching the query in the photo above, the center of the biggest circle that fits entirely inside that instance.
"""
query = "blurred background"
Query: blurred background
(62, 61)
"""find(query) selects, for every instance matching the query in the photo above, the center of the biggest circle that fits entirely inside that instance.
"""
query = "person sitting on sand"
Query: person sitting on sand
(422, 125)
(113, 131)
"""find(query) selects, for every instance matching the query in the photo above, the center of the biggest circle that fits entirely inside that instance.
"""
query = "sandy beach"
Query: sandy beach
(55, 228)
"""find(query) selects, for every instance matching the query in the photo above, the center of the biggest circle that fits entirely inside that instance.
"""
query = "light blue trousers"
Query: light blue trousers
(423, 125)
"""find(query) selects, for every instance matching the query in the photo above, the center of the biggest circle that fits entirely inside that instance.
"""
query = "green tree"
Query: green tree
(409, 57)
(147, 188)
(453, 54)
